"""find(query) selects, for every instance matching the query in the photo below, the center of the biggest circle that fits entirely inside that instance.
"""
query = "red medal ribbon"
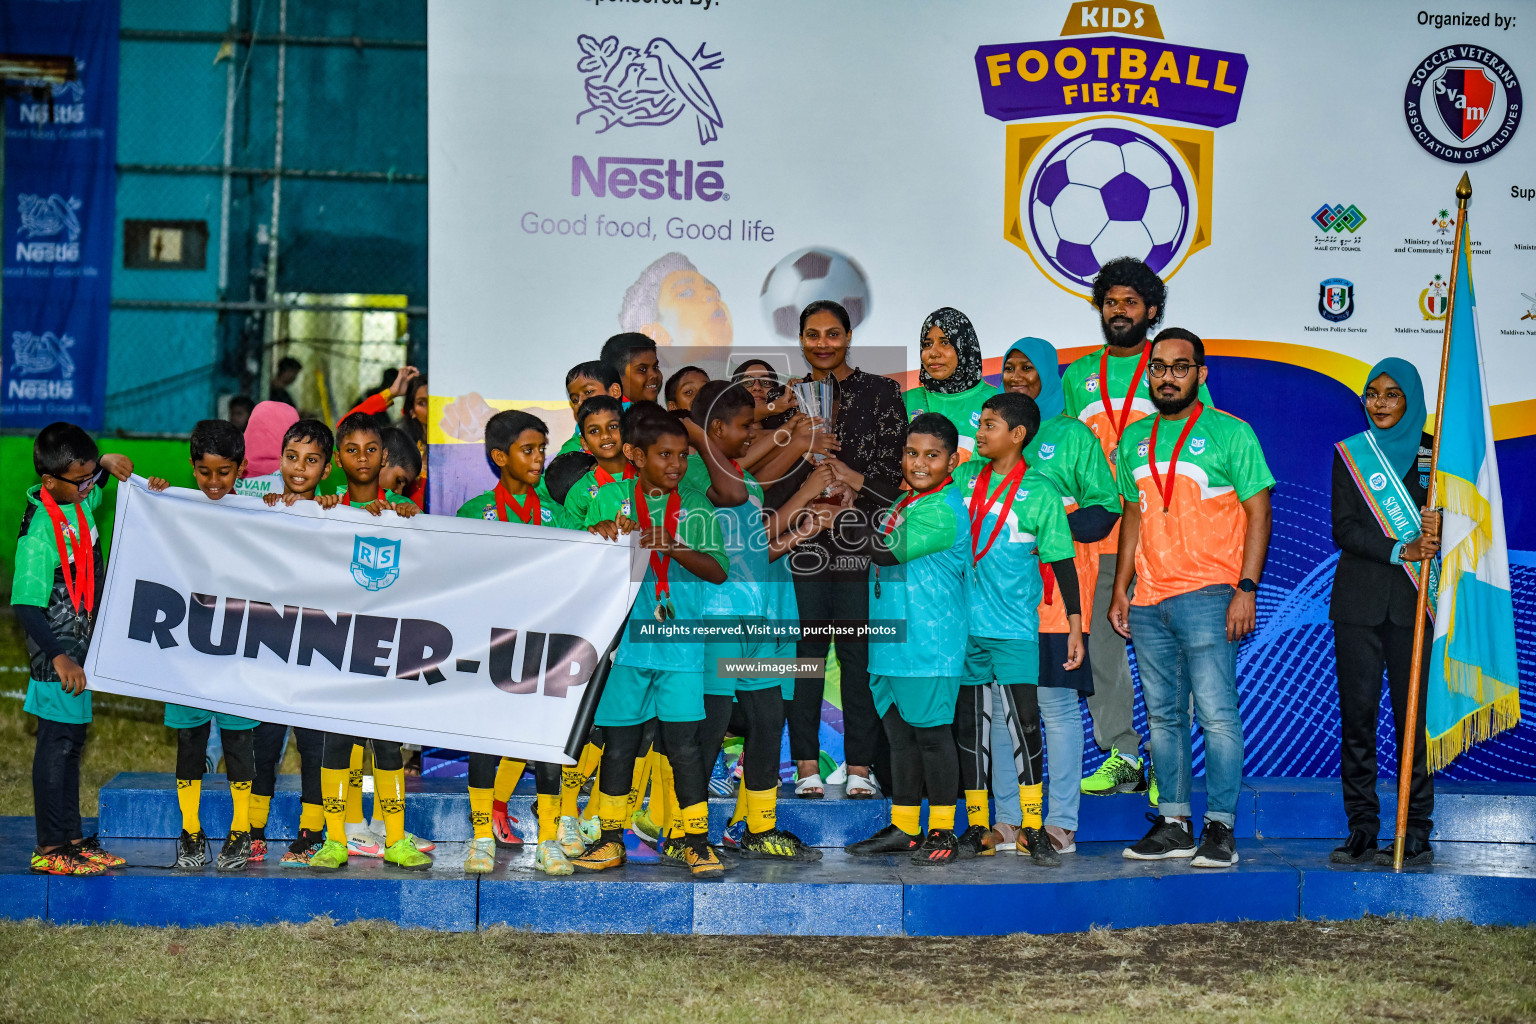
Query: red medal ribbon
(982, 500)
(604, 478)
(527, 510)
(1166, 493)
(659, 562)
(890, 519)
(79, 582)
(1130, 395)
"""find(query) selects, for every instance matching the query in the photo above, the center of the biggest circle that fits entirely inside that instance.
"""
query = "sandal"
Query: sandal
(810, 788)
(860, 787)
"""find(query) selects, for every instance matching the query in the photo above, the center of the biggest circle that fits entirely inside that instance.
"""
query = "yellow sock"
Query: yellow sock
(941, 817)
(640, 780)
(905, 817)
(389, 790)
(593, 806)
(333, 791)
(377, 814)
(260, 807)
(354, 795)
(240, 798)
(571, 779)
(663, 807)
(612, 811)
(762, 809)
(1029, 804)
(696, 819)
(189, 793)
(311, 817)
(741, 805)
(977, 811)
(548, 808)
(480, 812)
(508, 772)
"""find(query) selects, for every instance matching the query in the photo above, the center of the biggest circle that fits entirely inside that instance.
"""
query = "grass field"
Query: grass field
(1372, 970)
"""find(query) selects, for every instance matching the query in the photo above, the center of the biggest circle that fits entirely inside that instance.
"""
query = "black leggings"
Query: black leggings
(680, 741)
(482, 774)
(759, 717)
(922, 759)
(338, 753)
(268, 739)
(192, 753)
(973, 728)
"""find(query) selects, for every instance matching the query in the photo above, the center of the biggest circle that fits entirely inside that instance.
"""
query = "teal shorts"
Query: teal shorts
(1010, 662)
(923, 701)
(635, 695)
(733, 649)
(178, 716)
(50, 701)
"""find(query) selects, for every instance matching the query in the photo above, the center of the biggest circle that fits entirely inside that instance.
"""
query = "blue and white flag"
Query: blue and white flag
(1474, 682)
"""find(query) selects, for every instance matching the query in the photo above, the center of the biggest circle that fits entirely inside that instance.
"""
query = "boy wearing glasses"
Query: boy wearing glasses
(59, 576)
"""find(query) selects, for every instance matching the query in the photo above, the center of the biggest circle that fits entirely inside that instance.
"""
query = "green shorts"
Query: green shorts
(923, 701)
(50, 701)
(1010, 662)
(635, 695)
(179, 716)
(733, 649)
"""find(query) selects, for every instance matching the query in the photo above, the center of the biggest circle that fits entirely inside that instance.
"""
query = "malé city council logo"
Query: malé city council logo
(375, 562)
(1336, 299)
(1343, 220)
(1462, 103)
(630, 88)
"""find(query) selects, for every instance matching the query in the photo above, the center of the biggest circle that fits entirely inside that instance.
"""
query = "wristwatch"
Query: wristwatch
(1247, 586)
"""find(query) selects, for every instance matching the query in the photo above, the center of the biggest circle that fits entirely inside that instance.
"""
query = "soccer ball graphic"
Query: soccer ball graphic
(1107, 192)
(806, 275)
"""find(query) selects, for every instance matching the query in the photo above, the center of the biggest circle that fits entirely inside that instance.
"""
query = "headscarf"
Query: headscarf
(1042, 354)
(264, 436)
(962, 336)
(1400, 442)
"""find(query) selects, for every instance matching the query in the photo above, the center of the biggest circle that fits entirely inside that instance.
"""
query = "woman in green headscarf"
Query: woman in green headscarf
(949, 382)
(1383, 530)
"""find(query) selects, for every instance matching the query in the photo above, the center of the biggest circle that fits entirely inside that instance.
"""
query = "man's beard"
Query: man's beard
(1124, 337)
(1174, 406)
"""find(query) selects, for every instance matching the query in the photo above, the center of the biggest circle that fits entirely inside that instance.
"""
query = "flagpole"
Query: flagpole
(1409, 727)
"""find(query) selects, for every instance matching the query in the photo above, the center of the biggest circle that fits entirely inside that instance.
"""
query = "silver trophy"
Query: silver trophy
(814, 398)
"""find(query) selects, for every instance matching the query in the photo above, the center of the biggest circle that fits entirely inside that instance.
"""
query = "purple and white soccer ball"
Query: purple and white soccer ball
(806, 276)
(1105, 192)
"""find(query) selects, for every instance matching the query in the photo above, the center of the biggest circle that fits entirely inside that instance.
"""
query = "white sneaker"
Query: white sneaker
(481, 857)
(551, 859)
(568, 835)
(362, 841)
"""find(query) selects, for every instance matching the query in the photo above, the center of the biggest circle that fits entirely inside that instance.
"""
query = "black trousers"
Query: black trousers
(1361, 653)
(680, 741)
(842, 595)
(758, 715)
(338, 753)
(192, 753)
(56, 781)
(483, 768)
(973, 733)
(922, 760)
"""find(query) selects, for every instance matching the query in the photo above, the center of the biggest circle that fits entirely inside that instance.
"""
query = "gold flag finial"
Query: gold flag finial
(1463, 190)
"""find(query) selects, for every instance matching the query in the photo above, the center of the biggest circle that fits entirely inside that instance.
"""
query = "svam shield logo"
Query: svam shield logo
(1336, 299)
(375, 562)
(1463, 96)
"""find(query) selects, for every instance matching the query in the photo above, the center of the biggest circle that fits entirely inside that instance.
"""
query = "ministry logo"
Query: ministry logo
(630, 88)
(1336, 299)
(375, 562)
(1463, 103)
(1434, 299)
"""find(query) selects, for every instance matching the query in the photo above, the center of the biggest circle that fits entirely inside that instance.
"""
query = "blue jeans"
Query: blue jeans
(1063, 725)
(1182, 647)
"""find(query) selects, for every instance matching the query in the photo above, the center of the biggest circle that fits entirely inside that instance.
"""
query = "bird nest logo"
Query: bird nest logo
(35, 354)
(375, 562)
(630, 88)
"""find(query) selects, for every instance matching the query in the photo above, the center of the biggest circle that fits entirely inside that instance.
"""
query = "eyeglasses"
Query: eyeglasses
(85, 483)
(1391, 396)
(756, 383)
(1158, 368)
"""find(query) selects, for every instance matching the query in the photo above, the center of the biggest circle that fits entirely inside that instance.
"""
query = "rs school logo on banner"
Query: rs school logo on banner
(375, 562)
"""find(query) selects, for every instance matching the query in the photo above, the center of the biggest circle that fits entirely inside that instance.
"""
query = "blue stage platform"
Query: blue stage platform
(1485, 872)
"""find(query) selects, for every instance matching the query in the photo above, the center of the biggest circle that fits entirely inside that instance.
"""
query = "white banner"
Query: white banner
(440, 631)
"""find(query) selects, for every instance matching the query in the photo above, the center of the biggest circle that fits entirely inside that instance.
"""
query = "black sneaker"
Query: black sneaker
(939, 849)
(1168, 837)
(1417, 853)
(775, 844)
(977, 841)
(1218, 846)
(1359, 848)
(299, 851)
(888, 840)
(237, 850)
(191, 851)
(1041, 851)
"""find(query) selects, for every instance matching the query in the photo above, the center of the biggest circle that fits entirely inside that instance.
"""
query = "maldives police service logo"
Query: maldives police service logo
(630, 88)
(1336, 299)
(1462, 103)
(1378, 481)
(375, 562)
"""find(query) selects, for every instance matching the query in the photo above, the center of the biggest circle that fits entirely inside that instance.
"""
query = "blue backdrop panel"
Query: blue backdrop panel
(60, 182)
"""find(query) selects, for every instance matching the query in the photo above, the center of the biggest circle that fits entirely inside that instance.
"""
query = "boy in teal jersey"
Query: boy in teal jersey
(950, 379)
(218, 459)
(515, 442)
(1020, 542)
(915, 683)
(599, 421)
(679, 393)
(662, 678)
(59, 575)
(584, 381)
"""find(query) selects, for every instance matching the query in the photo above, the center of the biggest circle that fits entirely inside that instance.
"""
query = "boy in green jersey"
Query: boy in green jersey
(59, 574)
(654, 676)
(598, 420)
(402, 461)
(950, 381)
(360, 455)
(1020, 546)
(515, 442)
(218, 459)
(632, 358)
(584, 381)
(915, 683)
